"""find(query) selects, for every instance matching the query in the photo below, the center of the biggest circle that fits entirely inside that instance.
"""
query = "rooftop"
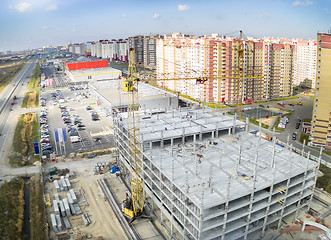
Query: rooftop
(206, 169)
(119, 98)
(95, 71)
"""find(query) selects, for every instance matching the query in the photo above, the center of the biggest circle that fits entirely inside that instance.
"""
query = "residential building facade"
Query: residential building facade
(264, 68)
(321, 117)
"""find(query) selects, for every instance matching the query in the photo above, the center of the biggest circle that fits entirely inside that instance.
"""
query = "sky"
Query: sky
(26, 24)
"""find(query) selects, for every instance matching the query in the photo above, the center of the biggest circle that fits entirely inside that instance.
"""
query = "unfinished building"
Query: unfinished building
(208, 178)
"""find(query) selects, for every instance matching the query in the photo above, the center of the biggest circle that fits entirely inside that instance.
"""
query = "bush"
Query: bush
(304, 137)
(324, 181)
(12, 209)
(35, 78)
(37, 213)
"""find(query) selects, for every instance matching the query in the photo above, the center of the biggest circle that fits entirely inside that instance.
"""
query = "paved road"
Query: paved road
(302, 112)
(8, 118)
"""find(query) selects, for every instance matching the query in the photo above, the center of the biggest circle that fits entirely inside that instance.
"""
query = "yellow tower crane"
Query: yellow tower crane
(134, 206)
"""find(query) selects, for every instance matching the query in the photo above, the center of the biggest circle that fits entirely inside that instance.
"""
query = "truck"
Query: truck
(75, 139)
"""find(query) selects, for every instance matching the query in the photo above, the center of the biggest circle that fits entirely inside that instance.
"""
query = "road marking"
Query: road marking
(103, 133)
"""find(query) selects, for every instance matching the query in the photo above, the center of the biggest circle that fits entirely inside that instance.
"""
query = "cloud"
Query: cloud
(156, 16)
(44, 28)
(183, 7)
(52, 7)
(305, 3)
(123, 15)
(22, 7)
(327, 11)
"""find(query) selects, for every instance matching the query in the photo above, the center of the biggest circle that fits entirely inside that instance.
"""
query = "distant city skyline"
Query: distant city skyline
(27, 24)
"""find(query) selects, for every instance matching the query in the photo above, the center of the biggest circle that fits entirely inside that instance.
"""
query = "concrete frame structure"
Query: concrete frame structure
(205, 178)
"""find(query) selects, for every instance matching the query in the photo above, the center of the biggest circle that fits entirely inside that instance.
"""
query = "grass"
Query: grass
(280, 99)
(7, 74)
(35, 78)
(25, 100)
(26, 132)
(37, 213)
(304, 137)
(31, 99)
(37, 99)
(12, 209)
(307, 120)
(325, 180)
(254, 121)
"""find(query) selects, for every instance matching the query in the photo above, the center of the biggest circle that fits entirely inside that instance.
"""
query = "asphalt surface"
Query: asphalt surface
(302, 112)
(9, 118)
(77, 107)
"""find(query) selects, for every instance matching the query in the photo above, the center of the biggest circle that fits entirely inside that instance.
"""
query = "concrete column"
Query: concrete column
(183, 136)
(212, 134)
(216, 129)
(194, 138)
(229, 131)
(173, 113)
(150, 145)
(172, 142)
(234, 124)
(162, 142)
(246, 125)
(200, 135)
(157, 116)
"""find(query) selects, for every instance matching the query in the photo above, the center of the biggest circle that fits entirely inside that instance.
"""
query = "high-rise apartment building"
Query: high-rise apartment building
(321, 119)
(137, 43)
(305, 63)
(150, 51)
(114, 50)
(265, 68)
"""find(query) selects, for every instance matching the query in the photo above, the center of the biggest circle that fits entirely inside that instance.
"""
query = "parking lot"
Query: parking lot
(75, 125)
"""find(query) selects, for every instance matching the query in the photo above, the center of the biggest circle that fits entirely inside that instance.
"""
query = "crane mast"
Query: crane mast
(135, 207)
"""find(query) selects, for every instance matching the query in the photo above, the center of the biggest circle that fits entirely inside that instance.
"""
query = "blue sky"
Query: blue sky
(35, 23)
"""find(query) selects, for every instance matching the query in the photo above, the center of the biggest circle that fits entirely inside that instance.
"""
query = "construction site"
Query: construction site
(209, 178)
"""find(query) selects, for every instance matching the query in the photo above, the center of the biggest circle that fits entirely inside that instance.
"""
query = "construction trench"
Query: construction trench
(206, 177)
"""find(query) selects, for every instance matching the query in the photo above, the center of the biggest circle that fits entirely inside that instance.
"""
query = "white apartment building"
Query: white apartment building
(305, 63)
(182, 57)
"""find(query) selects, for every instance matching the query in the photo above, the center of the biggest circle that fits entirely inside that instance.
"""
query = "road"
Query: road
(302, 112)
(9, 118)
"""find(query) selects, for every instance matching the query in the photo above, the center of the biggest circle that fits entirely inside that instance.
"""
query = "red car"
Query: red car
(44, 140)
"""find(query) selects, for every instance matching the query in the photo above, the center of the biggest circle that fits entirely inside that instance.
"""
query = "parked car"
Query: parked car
(77, 122)
(80, 128)
(88, 107)
(294, 136)
(46, 152)
(297, 126)
(44, 140)
(80, 125)
(95, 139)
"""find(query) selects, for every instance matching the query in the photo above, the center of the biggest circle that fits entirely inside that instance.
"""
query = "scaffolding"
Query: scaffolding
(210, 178)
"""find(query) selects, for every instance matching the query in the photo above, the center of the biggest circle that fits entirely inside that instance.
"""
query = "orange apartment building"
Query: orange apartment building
(321, 117)
(267, 66)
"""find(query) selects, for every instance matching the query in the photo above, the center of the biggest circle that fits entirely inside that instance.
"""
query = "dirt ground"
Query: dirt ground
(91, 201)
(32, 100)
(267, 121)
